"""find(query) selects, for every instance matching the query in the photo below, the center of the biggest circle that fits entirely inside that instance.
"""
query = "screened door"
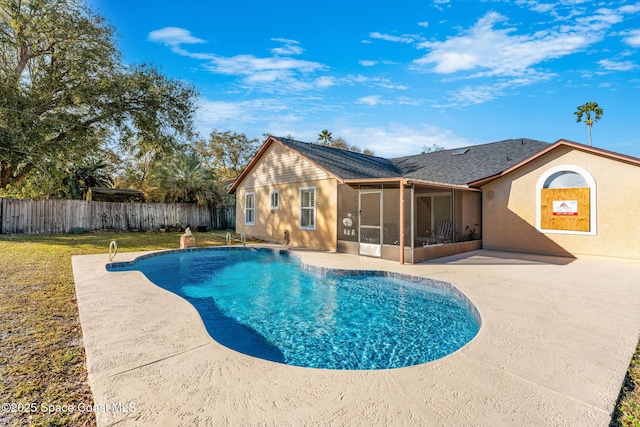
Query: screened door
(370, 242)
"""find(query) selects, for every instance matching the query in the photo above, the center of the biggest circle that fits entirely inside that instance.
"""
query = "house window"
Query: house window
(566, 201)
(275, 199)
(250, 209)
(308, 208)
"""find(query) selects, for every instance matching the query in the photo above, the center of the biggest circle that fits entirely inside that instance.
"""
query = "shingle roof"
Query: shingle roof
(445, 167)
(343, 163)
(475, 162)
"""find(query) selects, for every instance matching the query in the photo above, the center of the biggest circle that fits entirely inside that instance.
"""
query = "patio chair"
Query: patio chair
(443, 234)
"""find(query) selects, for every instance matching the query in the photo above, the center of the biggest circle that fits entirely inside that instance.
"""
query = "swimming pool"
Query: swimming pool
(265, 304)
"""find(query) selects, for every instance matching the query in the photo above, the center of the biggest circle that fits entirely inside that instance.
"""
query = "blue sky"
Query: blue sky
(396, 76)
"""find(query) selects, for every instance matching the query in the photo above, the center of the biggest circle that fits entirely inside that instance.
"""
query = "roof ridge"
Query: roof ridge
(447, 150)
(342, 150)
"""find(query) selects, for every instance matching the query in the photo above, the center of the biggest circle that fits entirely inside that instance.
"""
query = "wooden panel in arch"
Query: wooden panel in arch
(570, 212)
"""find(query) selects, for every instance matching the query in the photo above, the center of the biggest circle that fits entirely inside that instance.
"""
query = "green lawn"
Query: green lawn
(41, 352)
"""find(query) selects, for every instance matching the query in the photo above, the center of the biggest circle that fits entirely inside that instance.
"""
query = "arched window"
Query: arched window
(566, 201)
(565, 179)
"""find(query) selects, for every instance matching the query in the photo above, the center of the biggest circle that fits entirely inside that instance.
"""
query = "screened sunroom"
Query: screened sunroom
(378, 218)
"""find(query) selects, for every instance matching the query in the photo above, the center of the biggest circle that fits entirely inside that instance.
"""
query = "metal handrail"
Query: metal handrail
(113, 246)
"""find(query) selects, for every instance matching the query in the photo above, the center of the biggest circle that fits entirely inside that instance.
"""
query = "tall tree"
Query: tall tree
(227, 153)
(592, 113)
(64, 90)
(325, 137)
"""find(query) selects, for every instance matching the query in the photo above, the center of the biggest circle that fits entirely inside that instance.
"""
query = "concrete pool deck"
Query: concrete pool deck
(555, 343)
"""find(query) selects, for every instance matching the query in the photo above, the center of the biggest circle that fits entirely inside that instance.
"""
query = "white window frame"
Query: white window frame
(248, 209)
(308, 208)
(274, 195)
(591, 182)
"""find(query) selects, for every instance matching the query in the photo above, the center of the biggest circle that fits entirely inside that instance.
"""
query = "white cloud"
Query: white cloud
(173, 36)
(501, 52)
(543, 8)
(437, 4)
(379, 82)
(630, 8)
(279, 72)
(370, 100)
(241, 115)
(366, 63)
(610, 65)
(405, 38)
(298, 117)
(632, 38)
(325, 81)
(536, 6)
(423, 24)
(474, 95)
(249, 64)
(291, 47)
(397, 140)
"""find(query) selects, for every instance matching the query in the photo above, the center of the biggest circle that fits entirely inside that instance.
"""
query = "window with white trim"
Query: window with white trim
(250, 209)
(308, 208)
(274, 198)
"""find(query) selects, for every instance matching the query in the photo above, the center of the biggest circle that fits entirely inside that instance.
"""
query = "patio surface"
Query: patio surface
(555, 343)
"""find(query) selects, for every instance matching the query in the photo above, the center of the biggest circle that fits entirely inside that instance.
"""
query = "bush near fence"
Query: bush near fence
(64, 216)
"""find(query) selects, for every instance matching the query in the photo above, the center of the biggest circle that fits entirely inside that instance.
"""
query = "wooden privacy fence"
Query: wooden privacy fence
(62, 216)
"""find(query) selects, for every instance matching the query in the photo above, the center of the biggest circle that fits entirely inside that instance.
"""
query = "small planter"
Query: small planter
(77, 230)
(201, 228)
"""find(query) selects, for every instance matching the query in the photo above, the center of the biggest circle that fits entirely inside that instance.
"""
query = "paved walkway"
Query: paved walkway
(556, 340)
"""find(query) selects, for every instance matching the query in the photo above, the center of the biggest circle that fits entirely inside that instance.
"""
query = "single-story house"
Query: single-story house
(516, 195)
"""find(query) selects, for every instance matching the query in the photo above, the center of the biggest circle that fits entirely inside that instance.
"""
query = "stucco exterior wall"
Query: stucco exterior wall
(510, 206)
(282, 170)
(468, 203)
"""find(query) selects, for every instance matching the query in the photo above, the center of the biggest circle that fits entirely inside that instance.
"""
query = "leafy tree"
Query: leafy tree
(57, 179)
(587, 110)
(227, 153)
(325, 137)
(342, 144)
(183, 178)
(64, 91)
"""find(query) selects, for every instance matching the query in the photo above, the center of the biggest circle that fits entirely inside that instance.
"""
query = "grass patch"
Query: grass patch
(627, 412)
(41, 352)
(42, 359)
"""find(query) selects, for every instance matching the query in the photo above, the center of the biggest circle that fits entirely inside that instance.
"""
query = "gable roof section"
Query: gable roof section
(341, 164)
(457, 167)
(472, 163)
(559, 143)
(344, 164)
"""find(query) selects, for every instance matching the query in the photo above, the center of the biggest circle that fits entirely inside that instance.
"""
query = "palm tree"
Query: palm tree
(325, 137)
(586, 110)
(90, 172)
(183, 178)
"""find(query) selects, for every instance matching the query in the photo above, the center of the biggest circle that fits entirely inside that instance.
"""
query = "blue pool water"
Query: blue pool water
(263, 304)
